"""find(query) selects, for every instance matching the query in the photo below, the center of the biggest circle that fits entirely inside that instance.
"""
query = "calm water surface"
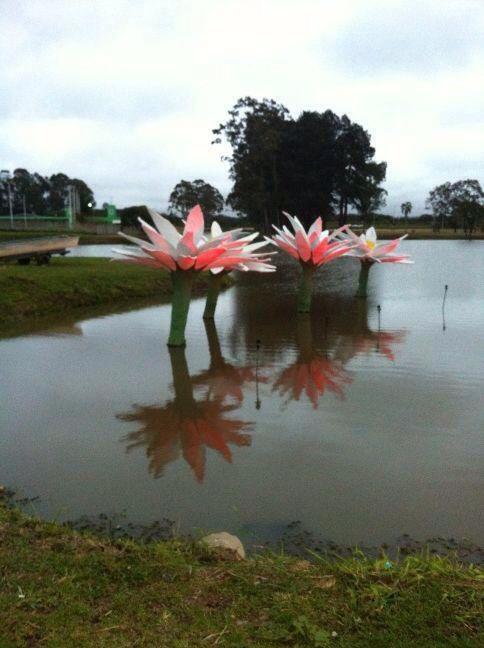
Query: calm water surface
(362, 426)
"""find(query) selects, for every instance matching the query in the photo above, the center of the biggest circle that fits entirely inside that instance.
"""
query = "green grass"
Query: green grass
(29, 292)
(63, 588)
(414, 231)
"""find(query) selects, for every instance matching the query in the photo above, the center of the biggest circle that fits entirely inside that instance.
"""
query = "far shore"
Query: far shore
(413, 233)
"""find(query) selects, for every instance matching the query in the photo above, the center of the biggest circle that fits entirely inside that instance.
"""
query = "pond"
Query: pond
(360, 423)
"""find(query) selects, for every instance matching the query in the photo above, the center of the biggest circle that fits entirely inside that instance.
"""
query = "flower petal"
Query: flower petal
(165, 228)
(195, 222)
(303, 246)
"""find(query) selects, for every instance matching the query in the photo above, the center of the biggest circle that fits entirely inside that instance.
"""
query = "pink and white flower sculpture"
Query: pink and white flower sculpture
(369, 251)
(185, 254)
(312, 249)
(249, 261)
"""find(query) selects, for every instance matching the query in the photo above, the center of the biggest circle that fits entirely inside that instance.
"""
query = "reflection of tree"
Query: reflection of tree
(222, 378)
(312, 372)
(185, 426)
(340, 324)
(360, 339)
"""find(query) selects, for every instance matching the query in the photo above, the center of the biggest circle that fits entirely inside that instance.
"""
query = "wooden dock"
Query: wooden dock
(36, 249)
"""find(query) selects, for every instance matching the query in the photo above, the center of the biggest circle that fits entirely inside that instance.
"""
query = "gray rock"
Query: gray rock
(225, 545)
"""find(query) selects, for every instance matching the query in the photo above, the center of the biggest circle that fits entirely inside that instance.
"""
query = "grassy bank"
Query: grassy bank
(62, 588)
(28, 292)
(414, 233)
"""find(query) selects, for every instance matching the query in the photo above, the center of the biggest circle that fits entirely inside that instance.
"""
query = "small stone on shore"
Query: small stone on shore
(224, 545)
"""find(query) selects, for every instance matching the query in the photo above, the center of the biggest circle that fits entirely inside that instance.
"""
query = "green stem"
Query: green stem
(363, 280)
(216, 357)
(182, 287)
(305, 289)
(214, 284)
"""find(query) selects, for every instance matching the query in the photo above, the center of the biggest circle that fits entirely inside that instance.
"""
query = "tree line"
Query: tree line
(318, 164)
(33, 193)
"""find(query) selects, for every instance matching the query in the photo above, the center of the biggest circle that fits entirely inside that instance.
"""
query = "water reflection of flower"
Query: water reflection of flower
(312, 372)
(380, 341)
(186, 426)
(362, 340)
(224, 379)
(170, 432)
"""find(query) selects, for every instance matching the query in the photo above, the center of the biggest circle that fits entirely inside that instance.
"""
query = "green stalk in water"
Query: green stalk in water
(363, 279)
(182, 281)
(305, 289)
(214, 285)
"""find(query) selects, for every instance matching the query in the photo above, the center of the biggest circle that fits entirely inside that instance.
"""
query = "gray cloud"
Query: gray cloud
(125, 94)
(410, 37)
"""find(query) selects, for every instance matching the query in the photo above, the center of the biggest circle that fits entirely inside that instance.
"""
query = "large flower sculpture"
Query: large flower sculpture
(255, 263)
(187, 253)
(312, 249)
(369, 251)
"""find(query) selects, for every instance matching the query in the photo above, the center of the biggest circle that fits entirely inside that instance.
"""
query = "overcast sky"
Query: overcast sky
(124, 94)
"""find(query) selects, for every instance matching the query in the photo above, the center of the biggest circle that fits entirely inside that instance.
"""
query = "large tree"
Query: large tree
(187, 194)
(307, 163)
(37, 194)
(357, 177)
(255, 130)
(461, 201)
(368, 196)
(310, 166)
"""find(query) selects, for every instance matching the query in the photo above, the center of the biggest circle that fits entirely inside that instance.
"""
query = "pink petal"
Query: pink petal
(316, 227)
(287, 248)
(161, 257)
(386, 248)
(195, 222)
(185, 262)
(226, 262)
(395, 259)
(204, 258)
(333, 255)
(156, 238)
(151, 263)
(303, 246)
(320, 250)
(187, 242)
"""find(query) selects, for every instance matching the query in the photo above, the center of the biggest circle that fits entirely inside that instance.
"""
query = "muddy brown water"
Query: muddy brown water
(360, 424)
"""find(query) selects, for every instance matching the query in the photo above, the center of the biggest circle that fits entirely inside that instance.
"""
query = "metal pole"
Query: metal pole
(10, 203)
(71, 206)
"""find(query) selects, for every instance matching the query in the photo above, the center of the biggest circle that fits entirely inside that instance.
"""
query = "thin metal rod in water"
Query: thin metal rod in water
(257, 399)
(446, 288)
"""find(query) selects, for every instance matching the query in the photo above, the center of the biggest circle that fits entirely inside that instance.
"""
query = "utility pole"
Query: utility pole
(5, 177)
(73, 204)
(10, 202)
